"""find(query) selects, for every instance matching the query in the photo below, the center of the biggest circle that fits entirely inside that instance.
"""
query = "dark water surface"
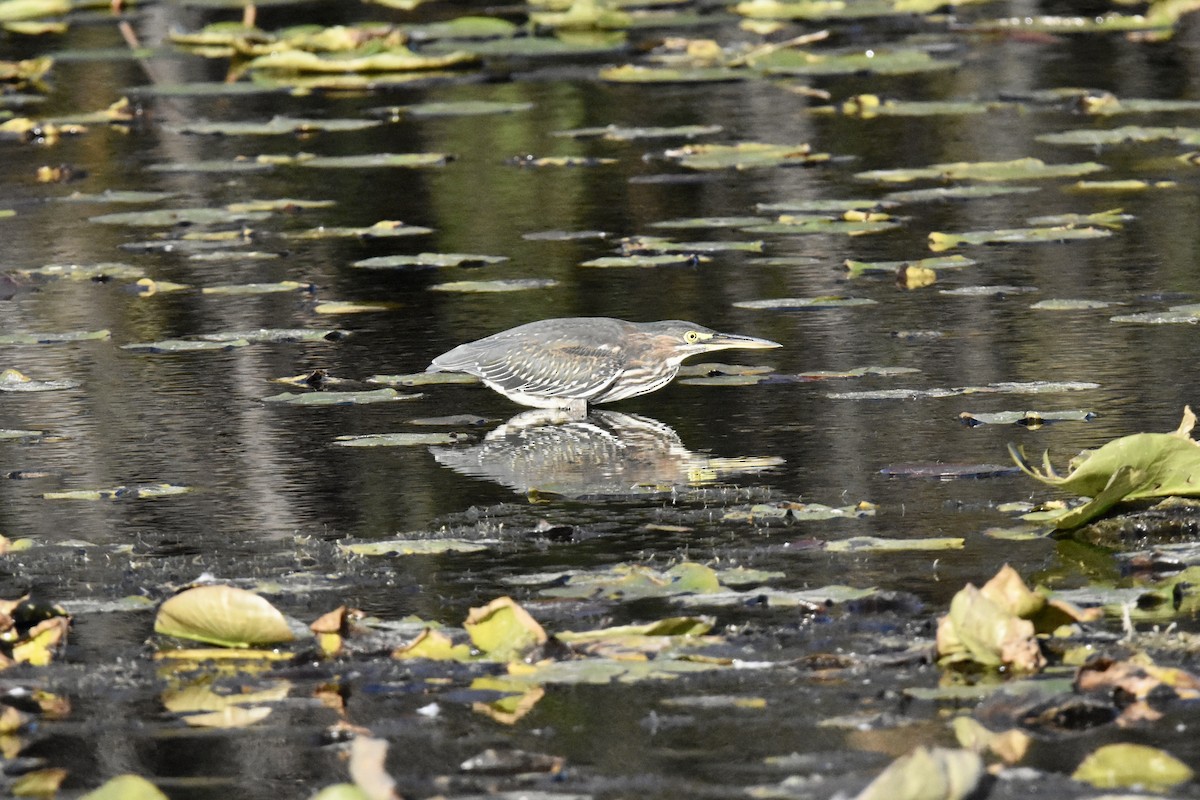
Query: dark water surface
(272, 494)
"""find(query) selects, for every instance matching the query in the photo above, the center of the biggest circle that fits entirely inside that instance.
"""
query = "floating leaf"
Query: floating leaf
(458, 108)
(276, 126)
(409, 547)
(380, 230)
(633, 73)
(275, 335)
(1135, 467)
(969, 192)
(617, 133)
(503, 629)
(12, 380)
(396, 59)
(1125, 765)
(1060, 233)
(1029, 419)
(184, 345)
(804, 303)
(744, 155)
(1015, 387)
(867, 106)
(114, 196)
(505, 285)
(428, 260)
(55, 338)
(125, 787)
(709, 222)
(132, 492)
(257, 288)
(658, 260)
(222, 615)
(373, 161)
(180, 216)
(854, 62)
(925, 774)
(857, 268)
(1060, 304)
(422, 379)
(1017, 170)
(1113, 218)
(339, 398)
(352, 307)
(793, 511)
(875, 544)
(399, 439)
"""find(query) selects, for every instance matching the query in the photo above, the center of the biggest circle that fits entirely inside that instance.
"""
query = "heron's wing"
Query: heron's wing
(564, 368)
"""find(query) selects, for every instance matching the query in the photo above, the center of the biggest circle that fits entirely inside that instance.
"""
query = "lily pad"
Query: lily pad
(126, 787)
(276, 335)
(167, 217)
(132, 492)
(458, 108)
(276, 126)
(1126, 765)
(184, 345)
(1028, 419)
(380, 230)
(400, 439)
(658, 260)
(1020, 169)
(339, 398)
(55, 338)
(428, 260)
(852, 62)
(1062, 304)
(257, 288)
(486, 287)
(397, 59)
(804, 303)
(966, 192)
(222, 615)
(744, 155)
(374, 161)
(1058, 233)
(635, 73)
(618, 133)
(857, 268)
(876, 544)
(352, 307)
(12, 380)
(928, 772)
(409, 547)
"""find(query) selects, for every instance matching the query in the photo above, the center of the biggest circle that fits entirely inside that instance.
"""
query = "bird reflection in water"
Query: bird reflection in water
(606, 453)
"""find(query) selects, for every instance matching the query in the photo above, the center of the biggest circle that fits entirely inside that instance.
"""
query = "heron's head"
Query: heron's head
(679, 340)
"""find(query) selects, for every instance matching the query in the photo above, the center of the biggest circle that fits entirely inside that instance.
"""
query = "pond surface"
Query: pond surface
(652, 481)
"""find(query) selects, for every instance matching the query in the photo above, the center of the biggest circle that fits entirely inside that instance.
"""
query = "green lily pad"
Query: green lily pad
(655, 244)
(374, 161)
(276, 335)
(793, 511)
(286, 204)
(744, 155)
(12, 380)
(339, 398)
(814, 205)
(1058, 233)
(422, 379)
(855, 372)
(224, 616)
(114, 196)
(1125, 766)
(1127, 185)
(856, 268)
(183, 345)
(560, 161)
(380, 230)
(793, 224)
(14, 433)
(809, 599)
(628, 582)
(999, 290)
(133, 492)
(352, 307)
(400, 439)
(1029, 419)
(634, 73)
(873, 62)
(660, 260)
(1014, 387)
(1020, 169)
(876, 544)
(464, 27)
(709, 222)
(458, 108)
(968, 192)
(410, 547)
(19, 10)
(55, 338)
(1089, 137)
(180, 216)
(1061, 304)
(1136, 467)
(276, 126)
(396, 59)
(618, 133)
(928, 772)
(804, 303)
(428, 260)
(868, 106)
(485, 287)
(257, 288)
(1113, 218)
(126, 787)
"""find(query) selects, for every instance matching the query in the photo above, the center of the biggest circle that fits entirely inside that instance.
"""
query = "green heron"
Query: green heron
(573, 363)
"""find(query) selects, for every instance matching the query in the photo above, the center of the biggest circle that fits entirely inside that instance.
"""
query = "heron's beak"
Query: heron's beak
(727, 341)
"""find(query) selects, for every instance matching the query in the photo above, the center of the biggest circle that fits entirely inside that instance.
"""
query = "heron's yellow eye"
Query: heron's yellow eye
(691, 337)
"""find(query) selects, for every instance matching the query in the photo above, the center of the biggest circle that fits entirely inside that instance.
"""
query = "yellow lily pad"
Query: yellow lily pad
(222, 615)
